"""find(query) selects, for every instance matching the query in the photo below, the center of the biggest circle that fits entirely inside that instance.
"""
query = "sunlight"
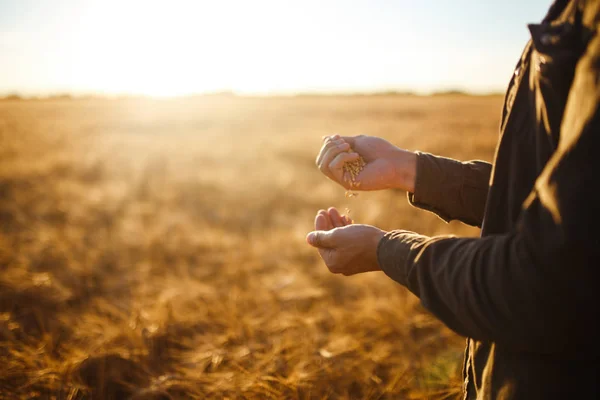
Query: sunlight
(188, 47)
(184, 47)
(266, 47)
(149, 49)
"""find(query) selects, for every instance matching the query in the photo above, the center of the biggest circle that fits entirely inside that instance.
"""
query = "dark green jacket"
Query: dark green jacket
(525, 293)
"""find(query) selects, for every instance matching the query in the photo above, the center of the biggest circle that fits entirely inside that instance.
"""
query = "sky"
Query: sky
(177, 47)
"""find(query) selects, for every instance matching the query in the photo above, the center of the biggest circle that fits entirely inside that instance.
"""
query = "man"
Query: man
(525, 292)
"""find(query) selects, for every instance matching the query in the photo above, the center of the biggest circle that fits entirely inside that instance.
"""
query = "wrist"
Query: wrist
(405, 171)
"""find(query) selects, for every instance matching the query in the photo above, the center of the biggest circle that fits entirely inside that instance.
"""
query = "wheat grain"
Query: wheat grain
(351, 170)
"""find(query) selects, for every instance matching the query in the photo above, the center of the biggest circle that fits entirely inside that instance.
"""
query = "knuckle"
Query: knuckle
(333, 147)
(317, 240)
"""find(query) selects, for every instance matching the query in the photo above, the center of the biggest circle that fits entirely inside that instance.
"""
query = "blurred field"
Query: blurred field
(155, 249)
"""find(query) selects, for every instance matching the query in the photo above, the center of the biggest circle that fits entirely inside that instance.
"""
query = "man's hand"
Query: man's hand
(346, 248)
(387, 166)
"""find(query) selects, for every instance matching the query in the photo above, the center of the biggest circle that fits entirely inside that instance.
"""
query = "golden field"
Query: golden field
(155, 249)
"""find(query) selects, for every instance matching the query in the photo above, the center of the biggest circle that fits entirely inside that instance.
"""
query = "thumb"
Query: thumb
(320, 239)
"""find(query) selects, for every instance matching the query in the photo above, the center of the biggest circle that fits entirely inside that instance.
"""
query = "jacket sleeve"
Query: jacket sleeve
(451, 189)
(535, 288)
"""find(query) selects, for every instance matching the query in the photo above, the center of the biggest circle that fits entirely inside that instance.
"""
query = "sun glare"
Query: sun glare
(146, 48)
(181, 48)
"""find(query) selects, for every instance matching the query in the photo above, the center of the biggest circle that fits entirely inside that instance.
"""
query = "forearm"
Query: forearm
(451, 189)
(498, 289)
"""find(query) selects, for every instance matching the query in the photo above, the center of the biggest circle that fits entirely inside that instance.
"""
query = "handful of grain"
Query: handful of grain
(351, 171)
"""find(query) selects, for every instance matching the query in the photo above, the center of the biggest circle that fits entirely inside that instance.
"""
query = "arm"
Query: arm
(533, 289)
(451, 189)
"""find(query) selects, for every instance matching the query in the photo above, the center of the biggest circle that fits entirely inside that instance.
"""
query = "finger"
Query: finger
(336, 167)
(330, 137)
(323, 221)
(321, 239)
(328, 144)
(329, 225)
(336, 218)
(330, 154)
(347, 220)
(351, 140)
(341, 159)
(320, 222)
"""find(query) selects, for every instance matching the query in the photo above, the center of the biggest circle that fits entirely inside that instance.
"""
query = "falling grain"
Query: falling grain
(351, 171)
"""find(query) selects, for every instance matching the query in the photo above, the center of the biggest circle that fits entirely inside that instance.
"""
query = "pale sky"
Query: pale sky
(176, 47)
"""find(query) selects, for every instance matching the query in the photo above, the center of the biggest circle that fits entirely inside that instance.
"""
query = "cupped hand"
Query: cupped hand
(387, 166)
(346, 248)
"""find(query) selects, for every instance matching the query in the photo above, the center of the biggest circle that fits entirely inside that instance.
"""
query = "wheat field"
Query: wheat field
(155, 249)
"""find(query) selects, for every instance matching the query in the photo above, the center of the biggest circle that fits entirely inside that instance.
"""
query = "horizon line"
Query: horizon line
(15, 95)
